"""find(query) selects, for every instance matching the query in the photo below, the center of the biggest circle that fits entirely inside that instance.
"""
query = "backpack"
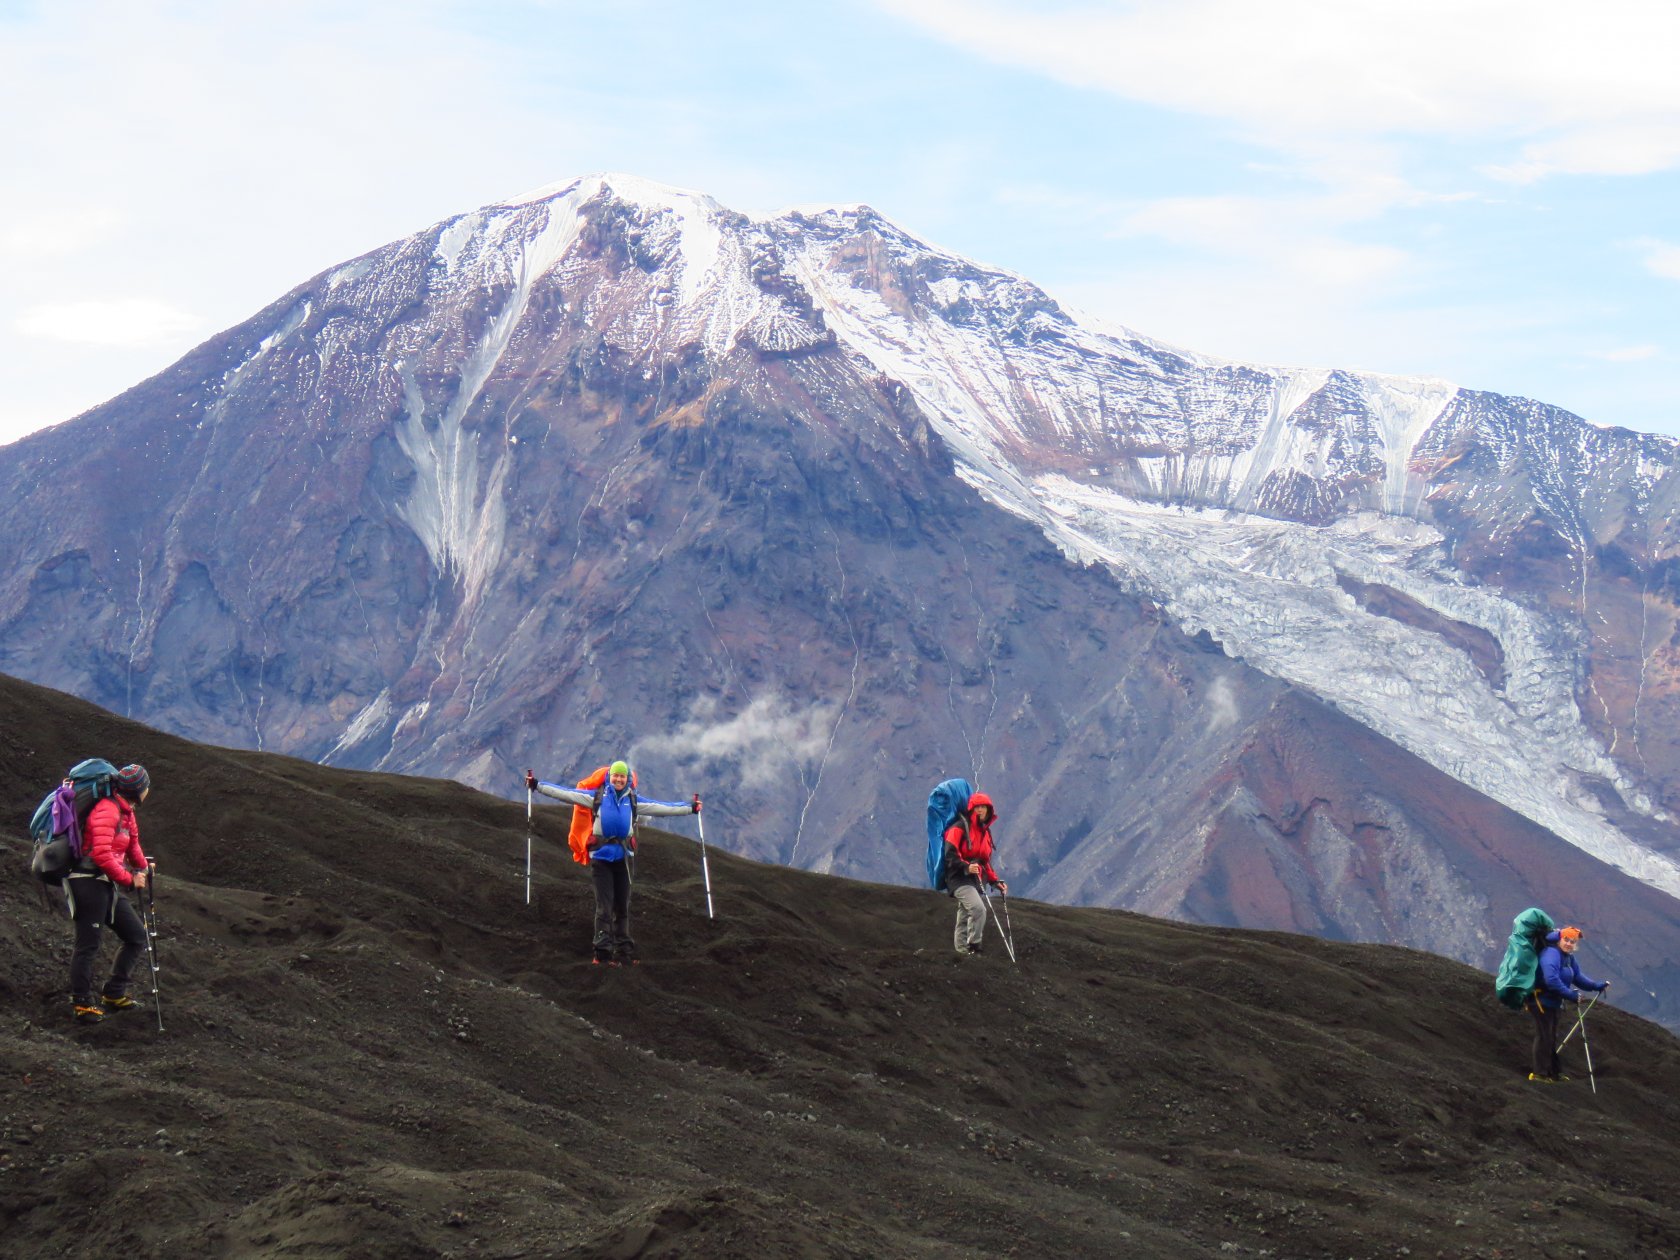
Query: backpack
(583, 820)
(946, 804)
(56, 828)
(1519, 970)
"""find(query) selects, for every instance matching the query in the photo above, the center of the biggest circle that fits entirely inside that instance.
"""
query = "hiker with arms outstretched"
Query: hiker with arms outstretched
(612, 842)
(112, 861)
(968, 860)
(1559, 980)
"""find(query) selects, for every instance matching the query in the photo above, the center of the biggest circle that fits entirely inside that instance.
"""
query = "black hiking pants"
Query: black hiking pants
(1546, 1059)
(95, 903)
(612, 909)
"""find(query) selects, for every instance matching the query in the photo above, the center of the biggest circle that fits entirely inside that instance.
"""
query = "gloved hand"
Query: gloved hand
(1575, 996)
(697, 802)
(1002, 887)
(530, 782)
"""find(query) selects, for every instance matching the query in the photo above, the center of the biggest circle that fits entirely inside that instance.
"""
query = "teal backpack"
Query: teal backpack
(1519, 970)
(56, 827)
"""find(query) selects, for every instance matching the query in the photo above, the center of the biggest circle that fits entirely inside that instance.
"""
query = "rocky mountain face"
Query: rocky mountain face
(806, 514)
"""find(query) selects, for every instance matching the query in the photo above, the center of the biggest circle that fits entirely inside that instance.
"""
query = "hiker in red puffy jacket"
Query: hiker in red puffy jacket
(968, 860)
(112, 858)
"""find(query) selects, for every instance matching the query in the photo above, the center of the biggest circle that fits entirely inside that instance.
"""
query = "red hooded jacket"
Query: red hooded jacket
(111, 840)
(971, 843)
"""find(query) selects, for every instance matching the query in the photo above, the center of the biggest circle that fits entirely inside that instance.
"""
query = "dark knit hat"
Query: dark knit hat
(132, 782)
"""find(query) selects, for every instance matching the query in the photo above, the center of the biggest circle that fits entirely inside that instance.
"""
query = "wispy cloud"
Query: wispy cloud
(1298, 236)
(768, 740)
(1570, 95)
(1662, 258)
(126, 322)
(58, 233)
(1628, 354)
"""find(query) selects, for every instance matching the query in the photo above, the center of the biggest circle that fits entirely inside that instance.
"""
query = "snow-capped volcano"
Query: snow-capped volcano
(806, 508)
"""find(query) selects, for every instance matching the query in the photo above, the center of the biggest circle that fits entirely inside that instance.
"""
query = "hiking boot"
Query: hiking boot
(117, 1001)
(974, 949)
(1546, 1080)
(85, 1012)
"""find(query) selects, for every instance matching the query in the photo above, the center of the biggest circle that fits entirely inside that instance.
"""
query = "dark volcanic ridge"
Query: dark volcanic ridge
(373, 1048)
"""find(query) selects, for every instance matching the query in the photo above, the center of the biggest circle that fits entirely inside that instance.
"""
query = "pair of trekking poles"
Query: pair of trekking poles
(1581, 1027)
(1003, 927)
(147, 906)
(530, 827)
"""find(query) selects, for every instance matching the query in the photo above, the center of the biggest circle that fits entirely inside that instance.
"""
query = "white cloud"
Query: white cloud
(769, 739)
(1628, 354)
(58, 233)
(1584, 89)
(1298, 236)
(1662, 258)
(1636, 148)
(128, 322)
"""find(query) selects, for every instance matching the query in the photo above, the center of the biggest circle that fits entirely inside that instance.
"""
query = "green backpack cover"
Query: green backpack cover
(1517, 974)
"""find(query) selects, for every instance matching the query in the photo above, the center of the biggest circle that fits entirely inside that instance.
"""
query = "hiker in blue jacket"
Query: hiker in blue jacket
(1558, 979)
(612, 843)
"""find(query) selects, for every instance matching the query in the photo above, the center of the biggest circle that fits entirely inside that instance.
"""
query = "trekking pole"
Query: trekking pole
(1008, 927)
(1008, 945)
(705, 870)
(1580, 1023)
(1585, 1045)
(149, 923)
(530, 802)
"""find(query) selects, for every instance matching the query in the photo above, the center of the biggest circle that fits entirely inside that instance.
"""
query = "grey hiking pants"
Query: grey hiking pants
(971, 917)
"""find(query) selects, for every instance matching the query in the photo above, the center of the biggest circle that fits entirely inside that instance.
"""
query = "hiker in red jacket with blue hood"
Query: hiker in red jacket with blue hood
(1558, 980)
(968, 860)
(112, 861)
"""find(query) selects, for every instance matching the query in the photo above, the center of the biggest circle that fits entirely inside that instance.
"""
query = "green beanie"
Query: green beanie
(619, 767)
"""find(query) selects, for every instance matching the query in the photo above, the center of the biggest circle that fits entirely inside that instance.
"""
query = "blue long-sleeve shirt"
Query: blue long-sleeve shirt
(615, 818)
(1560, 976)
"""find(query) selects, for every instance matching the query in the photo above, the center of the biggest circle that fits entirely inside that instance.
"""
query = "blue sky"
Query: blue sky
(1481, 191)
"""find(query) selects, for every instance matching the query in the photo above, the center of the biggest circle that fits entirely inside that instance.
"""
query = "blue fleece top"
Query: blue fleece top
(1559, 976)
(615, 819)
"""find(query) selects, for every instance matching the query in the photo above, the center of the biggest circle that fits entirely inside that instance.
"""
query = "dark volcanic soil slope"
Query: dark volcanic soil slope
(374, 1049)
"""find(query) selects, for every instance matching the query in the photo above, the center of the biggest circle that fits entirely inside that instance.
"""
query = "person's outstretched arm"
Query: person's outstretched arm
(666, 809)
(572, 796)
